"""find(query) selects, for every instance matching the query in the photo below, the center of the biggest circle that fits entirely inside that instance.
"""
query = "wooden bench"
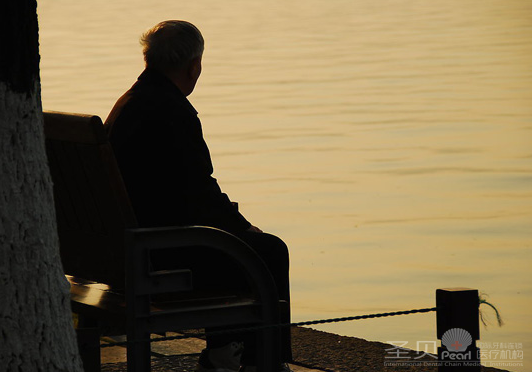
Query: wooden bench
(108, 258)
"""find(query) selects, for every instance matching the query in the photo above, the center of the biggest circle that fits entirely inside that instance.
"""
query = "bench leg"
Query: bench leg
(89, 348)
(138, 353)
(268, 350)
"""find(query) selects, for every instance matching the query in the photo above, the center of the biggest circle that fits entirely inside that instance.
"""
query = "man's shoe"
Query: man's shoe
(283, 368)
(222, 359)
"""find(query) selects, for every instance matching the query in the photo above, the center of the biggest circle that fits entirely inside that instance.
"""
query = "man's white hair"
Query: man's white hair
(170, 45)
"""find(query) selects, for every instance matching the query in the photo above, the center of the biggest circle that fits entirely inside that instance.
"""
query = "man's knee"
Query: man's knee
(269, 247)
(278, 246)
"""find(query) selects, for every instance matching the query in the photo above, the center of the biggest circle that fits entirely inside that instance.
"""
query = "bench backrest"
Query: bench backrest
(91, 201)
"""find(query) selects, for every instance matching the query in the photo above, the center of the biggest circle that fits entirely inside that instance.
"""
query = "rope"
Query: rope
(268, 326)
(482, 300)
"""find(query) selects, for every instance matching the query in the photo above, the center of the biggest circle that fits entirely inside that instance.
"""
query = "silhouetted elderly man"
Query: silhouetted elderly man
(158, 142)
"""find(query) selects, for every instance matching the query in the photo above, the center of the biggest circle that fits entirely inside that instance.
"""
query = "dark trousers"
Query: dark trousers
(212, 271)
(274, 253)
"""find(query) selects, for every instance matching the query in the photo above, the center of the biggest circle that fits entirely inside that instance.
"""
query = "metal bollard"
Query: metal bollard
(457, 319)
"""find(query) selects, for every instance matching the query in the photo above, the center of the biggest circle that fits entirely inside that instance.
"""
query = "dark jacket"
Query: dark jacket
(158, 142)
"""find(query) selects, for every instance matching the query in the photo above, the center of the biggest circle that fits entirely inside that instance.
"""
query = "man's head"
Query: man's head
(175, 49)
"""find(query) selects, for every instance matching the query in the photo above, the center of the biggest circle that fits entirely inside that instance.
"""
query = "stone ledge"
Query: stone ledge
(314, 351)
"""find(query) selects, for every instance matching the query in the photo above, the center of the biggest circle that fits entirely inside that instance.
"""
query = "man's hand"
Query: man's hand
(254, 229)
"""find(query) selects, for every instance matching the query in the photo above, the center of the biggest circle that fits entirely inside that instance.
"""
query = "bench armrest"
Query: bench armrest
(140, 241)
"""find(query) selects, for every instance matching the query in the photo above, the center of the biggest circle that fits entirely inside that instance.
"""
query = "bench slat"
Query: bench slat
(74, 127)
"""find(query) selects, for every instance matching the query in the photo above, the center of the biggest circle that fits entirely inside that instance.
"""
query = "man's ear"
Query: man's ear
(194, 69)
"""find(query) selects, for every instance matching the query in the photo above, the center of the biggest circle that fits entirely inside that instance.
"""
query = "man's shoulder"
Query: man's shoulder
(147, 107)
(147, 99)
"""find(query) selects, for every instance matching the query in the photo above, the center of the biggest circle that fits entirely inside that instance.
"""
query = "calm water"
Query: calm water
(388, 142)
